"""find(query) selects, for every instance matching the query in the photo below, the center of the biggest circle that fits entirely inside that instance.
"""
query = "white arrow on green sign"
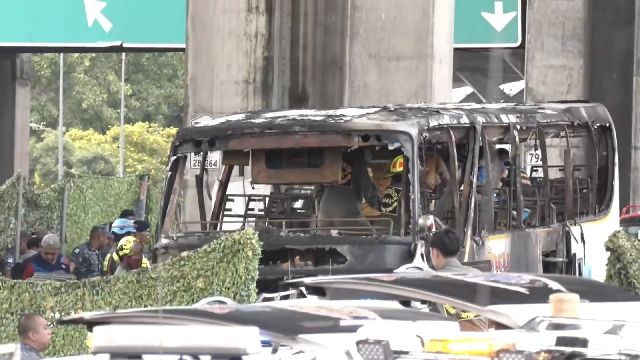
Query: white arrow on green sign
(93, 23)
(487, 24)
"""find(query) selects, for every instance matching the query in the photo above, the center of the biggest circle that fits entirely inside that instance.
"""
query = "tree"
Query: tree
(94, 162)
(154, 89)
(147, 147)
(44, 158)
(88, 152)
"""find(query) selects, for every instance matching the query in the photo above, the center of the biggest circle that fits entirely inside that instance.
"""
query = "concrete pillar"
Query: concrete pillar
(611, 77)
(15, 96)
(227, 57)
(398, 52)
(364, 52)
(237, 60)
(556, 50)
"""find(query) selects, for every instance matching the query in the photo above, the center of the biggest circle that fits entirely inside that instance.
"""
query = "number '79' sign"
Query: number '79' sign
(213, 162)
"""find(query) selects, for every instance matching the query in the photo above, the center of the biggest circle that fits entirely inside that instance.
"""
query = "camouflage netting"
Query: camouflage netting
(91, 201)
(227, 267)
(41, 209)
(97, 200)
(623, 267)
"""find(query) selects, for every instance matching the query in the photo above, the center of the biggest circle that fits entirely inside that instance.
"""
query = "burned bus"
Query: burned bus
(530, 188)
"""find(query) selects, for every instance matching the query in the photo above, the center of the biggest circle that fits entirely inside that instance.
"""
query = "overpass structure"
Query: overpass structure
(254, 54)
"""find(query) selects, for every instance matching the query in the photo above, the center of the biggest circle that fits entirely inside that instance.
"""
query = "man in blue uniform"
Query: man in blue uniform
(86, 259)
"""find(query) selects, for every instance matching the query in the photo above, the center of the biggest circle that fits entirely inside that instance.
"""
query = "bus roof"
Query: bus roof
(416, 117)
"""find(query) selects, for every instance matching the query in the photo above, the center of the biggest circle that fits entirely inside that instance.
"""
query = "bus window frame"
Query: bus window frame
(469, 190)
(516, 180)
(594, 168)
(488, 190)
(612, 166)
(546, 185)
(454, 185)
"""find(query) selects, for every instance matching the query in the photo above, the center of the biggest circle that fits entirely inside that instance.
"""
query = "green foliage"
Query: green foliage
(154, 89)
(623, 268)
(41, 209)
(88, 152)
(9, 197)
(97, 200)
(44, 158)
(227, 267)
(94, 162)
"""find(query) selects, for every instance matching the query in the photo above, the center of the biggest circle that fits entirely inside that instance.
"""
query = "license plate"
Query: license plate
(214, 160)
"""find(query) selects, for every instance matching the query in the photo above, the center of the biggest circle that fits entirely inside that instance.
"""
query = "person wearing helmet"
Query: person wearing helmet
(120, 229)
(129, 256)
(390, 186)
(392, 194)
(337, 202)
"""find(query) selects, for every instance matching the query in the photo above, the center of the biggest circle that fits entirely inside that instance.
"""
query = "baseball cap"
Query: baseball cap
(141, 225)
(50, 241)
(122, 226)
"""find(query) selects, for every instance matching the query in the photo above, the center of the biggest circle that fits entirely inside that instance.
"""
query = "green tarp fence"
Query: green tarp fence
(90, 201)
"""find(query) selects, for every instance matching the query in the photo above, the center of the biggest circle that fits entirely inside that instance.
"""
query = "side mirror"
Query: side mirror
(427, 222)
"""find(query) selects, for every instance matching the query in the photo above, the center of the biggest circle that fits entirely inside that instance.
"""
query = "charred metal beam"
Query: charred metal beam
(218, 206)
(173, 200)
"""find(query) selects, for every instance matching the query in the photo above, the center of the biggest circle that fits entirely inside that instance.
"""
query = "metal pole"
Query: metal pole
(19, 217)
(122, 119)
(63, 217)
(61, 121)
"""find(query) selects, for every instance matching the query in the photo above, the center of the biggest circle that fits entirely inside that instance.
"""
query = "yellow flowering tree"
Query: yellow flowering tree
(91, 153)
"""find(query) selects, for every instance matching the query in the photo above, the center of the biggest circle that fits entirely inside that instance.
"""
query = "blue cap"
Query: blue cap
(122, 226)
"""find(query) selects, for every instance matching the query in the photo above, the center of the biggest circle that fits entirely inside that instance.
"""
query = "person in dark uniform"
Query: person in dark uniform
(445, 245)
(86, 260)
(344, 200)
(9, 258)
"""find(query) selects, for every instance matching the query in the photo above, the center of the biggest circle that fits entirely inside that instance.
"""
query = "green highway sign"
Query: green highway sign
(93, 23)
(487, 24)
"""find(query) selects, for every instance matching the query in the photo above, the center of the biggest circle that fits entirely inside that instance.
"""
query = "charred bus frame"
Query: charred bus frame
(410, 126)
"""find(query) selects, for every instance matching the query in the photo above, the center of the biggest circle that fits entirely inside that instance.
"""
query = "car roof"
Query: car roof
(478, 293)
(275, 320)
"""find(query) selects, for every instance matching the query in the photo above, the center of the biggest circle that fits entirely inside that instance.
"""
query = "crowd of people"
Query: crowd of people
(111, 249)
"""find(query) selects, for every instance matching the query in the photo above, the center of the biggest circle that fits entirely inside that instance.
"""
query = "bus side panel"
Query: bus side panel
(596, 234)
